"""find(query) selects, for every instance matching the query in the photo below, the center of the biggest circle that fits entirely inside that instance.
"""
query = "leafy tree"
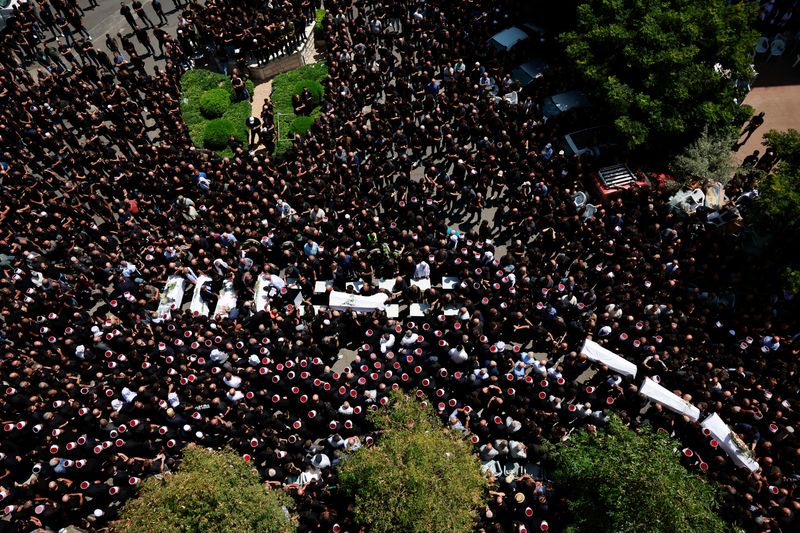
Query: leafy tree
(664, 69)
(420, 477)
(777, 212)
(709, 158)
(214, 491)
(626, 481)
(786, 145)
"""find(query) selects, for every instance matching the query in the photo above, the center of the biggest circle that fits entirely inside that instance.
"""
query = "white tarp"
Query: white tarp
(354, 302)
(226, 301)
(595, 352)
(652, 390)
(728, 442)
(198, 305)
(171, 297)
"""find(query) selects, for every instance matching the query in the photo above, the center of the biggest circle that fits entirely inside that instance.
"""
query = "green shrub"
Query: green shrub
(214, 103)
(283, 85)
(314, 87)
(216, 133)
(319, 24)
(301, 125)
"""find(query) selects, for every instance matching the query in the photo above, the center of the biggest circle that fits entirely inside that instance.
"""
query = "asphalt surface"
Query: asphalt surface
(105, 18)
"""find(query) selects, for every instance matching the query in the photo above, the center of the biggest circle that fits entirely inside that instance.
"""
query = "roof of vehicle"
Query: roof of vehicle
(559, 103)
(569, 100)
(532, 69)
(507, 38)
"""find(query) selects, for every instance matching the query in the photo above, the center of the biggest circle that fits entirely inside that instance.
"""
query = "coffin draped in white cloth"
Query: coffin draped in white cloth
(354, 302)
(198, 305)
(266, 286)
(657, 393)
(597, 353)
(227, 300)
(171, 297)
(728, 442)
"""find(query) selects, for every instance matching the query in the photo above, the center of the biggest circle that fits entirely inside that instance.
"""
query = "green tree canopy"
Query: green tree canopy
(626, 481)
(777, 213)
(663, 69)
(419, 477)
(786, 145)
(214, 491)
(708, 159)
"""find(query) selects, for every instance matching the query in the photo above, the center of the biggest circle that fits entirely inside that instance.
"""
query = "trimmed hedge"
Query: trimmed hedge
(301, 125)
(217, 132)
(194, 84)
(286, 85)
(214, 102)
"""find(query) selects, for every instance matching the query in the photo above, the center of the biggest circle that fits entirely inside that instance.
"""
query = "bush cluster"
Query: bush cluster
(217, 132)
(214, 103)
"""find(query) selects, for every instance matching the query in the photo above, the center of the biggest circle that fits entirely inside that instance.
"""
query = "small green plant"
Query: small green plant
(217, 132)
(301, 125)
(214, 103)
(319, 25)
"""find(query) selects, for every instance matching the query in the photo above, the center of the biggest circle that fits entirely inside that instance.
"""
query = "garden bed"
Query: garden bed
(286, 85)
(210, 112)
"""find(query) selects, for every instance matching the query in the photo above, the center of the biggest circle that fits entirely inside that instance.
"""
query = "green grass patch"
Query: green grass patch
(286, 85)
(203, 99)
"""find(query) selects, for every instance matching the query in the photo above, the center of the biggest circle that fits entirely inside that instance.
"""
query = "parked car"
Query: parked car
(589, 141)
(507, 39)
(553, 106)
(528, 72)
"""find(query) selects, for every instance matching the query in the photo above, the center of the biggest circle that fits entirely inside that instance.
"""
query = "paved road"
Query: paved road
(105, 18)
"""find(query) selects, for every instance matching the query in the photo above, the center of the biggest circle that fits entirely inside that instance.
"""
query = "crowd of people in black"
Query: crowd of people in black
(104, 200)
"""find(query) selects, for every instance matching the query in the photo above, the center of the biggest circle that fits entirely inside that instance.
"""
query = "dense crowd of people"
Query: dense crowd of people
(104, 200)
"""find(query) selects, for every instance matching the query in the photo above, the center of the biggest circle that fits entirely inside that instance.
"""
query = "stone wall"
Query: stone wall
(304, 55)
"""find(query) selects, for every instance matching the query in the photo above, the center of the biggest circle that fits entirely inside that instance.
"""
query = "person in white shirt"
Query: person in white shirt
(235, 395)
(387, 342)
(232, 381)
(422, 271)
(458, 354)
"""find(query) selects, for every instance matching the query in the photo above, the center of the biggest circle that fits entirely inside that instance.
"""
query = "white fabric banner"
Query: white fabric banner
(654, 391)
(354, 302)
(733, 445)
(171, 297)
(198, 305)
(597, 353)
